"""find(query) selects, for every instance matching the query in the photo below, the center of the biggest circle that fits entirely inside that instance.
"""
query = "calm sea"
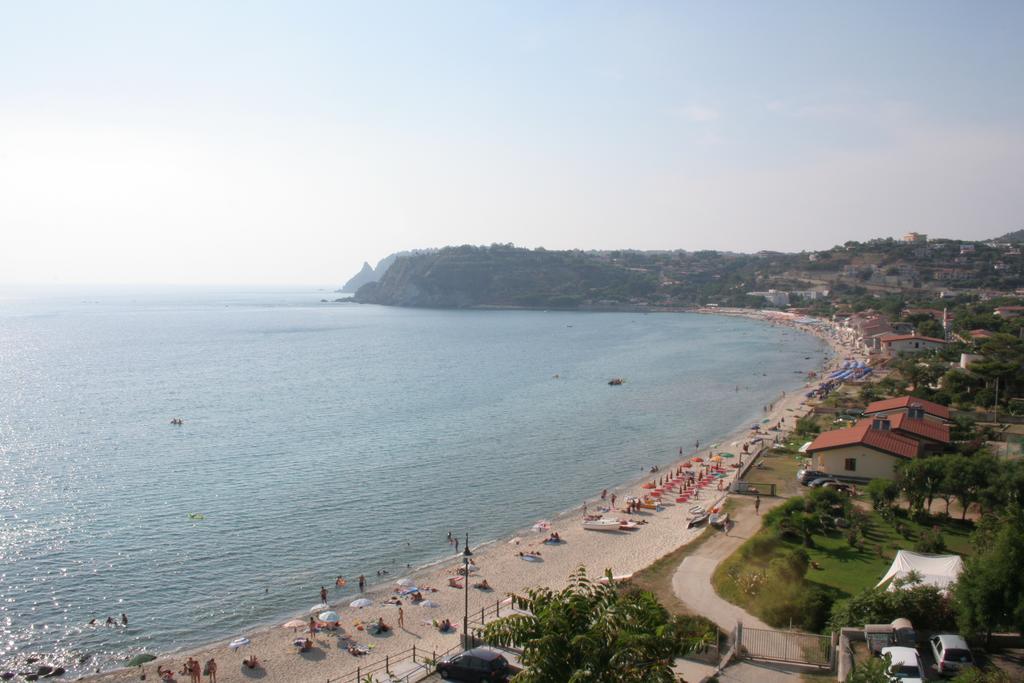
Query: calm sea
(318, 440)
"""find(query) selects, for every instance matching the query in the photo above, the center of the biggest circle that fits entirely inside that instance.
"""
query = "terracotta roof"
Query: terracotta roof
(904, 402)
(862, 434)
(908, 337)
(925, 429)
(981, 334)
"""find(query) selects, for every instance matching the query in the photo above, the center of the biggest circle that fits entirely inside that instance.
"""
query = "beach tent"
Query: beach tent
(935, 570)
(803, 449)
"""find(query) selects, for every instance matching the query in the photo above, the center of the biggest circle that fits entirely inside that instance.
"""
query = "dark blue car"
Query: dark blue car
(478, 664)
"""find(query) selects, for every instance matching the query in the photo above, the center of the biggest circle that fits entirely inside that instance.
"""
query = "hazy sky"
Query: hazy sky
(286, 142)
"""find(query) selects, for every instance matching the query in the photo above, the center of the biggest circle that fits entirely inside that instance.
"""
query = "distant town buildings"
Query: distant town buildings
(915, 237)
(910, 343)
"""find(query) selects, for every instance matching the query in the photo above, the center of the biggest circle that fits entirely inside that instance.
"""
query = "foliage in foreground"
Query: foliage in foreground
(926, 607)
(990, 592)
(591, 633)
(873, 670)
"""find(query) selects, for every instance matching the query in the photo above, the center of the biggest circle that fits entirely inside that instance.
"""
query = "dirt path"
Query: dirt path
(692, 581)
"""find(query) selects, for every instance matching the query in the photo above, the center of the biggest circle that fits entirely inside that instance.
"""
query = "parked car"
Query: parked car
(951, 653)
(838, 486)
(905, 665)
(821, 481)
(478, 664)
(807, 476)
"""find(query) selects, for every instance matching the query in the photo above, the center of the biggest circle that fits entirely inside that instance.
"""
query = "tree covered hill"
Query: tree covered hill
(505, 275)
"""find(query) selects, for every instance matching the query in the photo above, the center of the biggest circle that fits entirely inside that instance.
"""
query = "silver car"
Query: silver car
(951, 653)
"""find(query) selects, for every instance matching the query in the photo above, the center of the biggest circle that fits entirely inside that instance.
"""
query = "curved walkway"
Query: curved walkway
(692, 581)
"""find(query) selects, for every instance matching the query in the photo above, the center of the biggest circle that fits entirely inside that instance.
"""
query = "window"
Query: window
(851, 464)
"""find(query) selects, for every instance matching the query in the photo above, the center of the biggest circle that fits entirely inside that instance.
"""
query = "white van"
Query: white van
(905, 666)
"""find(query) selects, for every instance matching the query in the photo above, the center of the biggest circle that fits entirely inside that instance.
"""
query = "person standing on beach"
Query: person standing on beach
(613, 501)
(323, 595)
(401, 618)
(312, 628)
(362, 582)
(456, 544)
(211, 670)
(604, 494)
(757, 505)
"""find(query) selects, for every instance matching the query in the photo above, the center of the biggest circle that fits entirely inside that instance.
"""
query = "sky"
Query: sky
(287, 142)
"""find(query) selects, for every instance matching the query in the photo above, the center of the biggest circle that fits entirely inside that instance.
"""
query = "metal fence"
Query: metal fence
(786, 646)
(414, 663)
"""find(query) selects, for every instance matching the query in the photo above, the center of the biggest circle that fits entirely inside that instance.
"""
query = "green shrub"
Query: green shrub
(931, 541)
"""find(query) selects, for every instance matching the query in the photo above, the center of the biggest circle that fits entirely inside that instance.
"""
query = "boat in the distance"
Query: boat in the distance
(616, 381)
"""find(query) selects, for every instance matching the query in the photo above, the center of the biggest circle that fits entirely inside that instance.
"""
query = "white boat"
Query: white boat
(719, 519)
(603, 524)
(697, 518)
(628, 525)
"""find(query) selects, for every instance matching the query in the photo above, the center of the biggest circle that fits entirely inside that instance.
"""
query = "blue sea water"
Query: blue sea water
(319, 439)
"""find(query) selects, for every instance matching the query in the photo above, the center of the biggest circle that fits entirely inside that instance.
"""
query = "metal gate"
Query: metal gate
(785, 646)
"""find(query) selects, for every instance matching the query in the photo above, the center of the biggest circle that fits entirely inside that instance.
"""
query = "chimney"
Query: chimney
(880, 423)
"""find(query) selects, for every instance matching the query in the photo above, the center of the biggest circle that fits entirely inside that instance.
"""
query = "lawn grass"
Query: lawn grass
(838, 568)
(850, 570)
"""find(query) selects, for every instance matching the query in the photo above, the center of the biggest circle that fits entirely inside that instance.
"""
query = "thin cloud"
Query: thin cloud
(699, 113)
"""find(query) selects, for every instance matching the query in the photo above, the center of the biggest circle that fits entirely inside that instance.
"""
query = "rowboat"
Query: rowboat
(698, 516)
(719, 519)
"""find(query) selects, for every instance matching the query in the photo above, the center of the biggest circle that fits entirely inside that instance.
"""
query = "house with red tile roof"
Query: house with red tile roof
(910, 343)
(868, 450)
(918, 408)
(933, 436)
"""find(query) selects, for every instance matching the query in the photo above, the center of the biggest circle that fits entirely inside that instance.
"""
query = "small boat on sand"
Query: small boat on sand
(602, 524)
(697, 517)
(719, 519)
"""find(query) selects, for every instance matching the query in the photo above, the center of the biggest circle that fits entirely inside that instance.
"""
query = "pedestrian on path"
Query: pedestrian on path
(757, 505)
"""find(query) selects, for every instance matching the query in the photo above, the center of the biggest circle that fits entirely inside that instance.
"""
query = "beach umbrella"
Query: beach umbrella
(330, 616)
(139, 660)
(239, 642)
(728, 455)
(716, 458)
(405, 583)
(360, 603)
(429, 603)
(515, 541)
(698, 459)
(294, 623)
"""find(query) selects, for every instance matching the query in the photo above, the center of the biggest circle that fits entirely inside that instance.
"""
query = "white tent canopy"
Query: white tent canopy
(803, 449)
(935, 570)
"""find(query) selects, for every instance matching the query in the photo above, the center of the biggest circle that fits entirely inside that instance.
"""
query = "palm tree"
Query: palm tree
(593, 633)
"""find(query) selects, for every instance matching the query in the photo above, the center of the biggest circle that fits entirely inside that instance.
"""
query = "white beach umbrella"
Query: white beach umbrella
(406, 582)
(429, 603)
(360, 603)
(294, 623)
(239, 642)
(330, 616)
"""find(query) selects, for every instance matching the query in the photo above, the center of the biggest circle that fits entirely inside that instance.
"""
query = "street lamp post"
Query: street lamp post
(466, 554)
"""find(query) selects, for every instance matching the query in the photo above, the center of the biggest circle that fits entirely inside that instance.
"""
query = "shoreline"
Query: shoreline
(622, 553)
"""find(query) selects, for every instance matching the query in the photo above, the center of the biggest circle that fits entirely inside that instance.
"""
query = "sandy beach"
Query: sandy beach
(499, 563)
